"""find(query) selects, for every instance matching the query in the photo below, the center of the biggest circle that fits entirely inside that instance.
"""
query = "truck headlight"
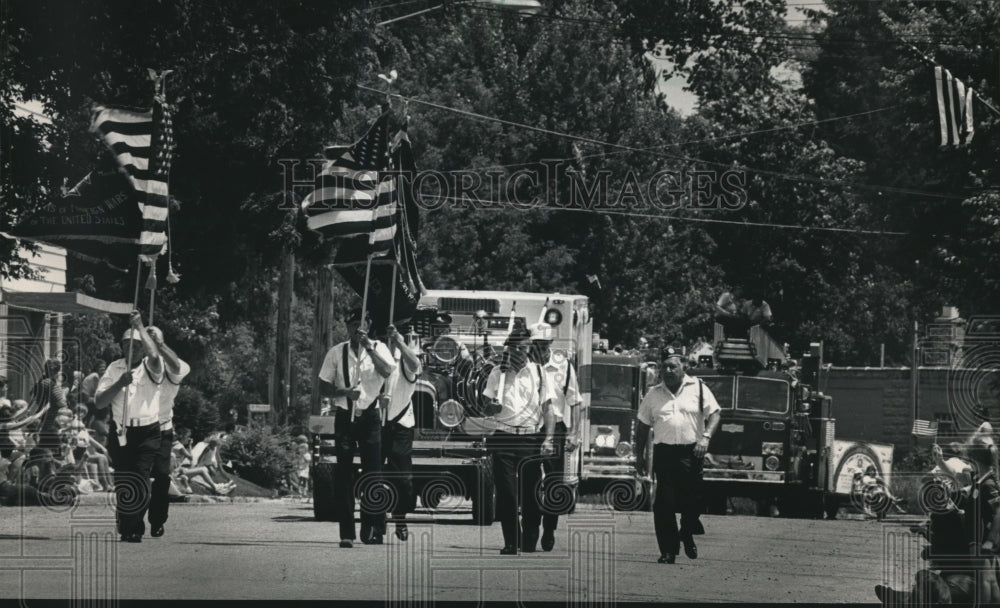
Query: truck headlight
(451, 413)
(771, 463)
(768, 448)
(623, 449)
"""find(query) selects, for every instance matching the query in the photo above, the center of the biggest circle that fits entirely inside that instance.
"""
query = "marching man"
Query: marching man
(562, 381)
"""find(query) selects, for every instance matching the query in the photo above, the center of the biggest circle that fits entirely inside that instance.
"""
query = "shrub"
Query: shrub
(194, 412)
(260, 455)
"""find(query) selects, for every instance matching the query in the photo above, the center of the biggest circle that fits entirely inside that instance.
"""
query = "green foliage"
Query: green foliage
(263, 81)
(261, 455)
(916, 460)
(194, 412)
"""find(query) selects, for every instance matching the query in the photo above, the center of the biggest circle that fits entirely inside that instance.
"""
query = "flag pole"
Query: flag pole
(128, 361)
(151, 286)
(503, 372)
(364, 315)
(390, 384)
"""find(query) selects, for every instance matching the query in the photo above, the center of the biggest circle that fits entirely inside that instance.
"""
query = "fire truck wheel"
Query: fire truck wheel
(716, 503)
(831, 505)
(484, 495)
(323, 506)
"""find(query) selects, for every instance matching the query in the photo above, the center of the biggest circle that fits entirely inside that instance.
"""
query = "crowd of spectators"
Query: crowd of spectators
(52, 443)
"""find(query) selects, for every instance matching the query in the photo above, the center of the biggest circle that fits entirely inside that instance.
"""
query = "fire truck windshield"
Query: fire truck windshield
(722, 388)
(762, 395)
(613, 386)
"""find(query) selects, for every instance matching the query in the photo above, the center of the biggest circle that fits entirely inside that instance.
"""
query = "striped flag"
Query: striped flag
(400, 251)
(142, 144)
(954, 103)
(925, 428)
(354, 195)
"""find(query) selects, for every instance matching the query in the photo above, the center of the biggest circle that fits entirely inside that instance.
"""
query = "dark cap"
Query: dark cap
(520, 335)
(671, 351)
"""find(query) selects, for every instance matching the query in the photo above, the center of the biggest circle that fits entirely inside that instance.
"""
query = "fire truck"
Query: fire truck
(776, 441)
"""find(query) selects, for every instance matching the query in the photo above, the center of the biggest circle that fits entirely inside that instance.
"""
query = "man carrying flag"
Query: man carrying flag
(352, 376)
(132, 388)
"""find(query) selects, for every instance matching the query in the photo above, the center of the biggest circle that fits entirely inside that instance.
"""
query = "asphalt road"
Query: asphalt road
(273, 550)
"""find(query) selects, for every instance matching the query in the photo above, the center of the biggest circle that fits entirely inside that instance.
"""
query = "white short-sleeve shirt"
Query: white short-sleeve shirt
(168, 390)
(402, 392)
(143, 393)
(523, 394)
(674, 418)
(556, 371)
(370, 386)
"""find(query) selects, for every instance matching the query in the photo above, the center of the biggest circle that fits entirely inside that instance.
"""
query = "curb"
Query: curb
(100, 499)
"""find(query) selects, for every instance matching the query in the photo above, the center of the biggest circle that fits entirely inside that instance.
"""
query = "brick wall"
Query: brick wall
(876, 404)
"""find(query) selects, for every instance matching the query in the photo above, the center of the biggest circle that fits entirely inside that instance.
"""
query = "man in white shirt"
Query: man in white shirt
(352, 376)
(132, 390)
(565, 395)
(683, 415)
(175, 369)
(516, 445)
(397, 434)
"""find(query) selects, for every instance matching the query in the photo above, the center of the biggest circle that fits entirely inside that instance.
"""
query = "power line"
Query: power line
(749, 224)
(732, 166)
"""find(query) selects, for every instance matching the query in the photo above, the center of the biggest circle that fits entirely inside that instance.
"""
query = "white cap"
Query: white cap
(132, 334)
(541, 331)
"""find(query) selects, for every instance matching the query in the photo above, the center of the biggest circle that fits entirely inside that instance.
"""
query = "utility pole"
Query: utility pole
(322, 330)
(281, 391)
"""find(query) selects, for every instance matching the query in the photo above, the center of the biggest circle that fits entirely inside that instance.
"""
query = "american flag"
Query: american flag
(925, 428)
(354, 195)
(954, 103)
(398, 252)
(142, 144)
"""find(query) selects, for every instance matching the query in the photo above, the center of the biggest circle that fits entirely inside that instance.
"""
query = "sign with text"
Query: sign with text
(259, 407)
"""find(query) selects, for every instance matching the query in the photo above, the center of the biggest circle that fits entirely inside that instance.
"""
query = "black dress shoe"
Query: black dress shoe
(509, 550)
(548, 540)
(157, 531)
(131, 538)
(402, 533)
(667, 558)
(528, 541)
(346, 543)
(690, 549)
(374, 539)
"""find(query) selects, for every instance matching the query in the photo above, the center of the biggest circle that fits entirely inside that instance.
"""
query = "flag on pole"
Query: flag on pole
(401, 251)
(98, 211)
(142, 143)
(354, 195)
(925, 428)
(593, 279)
(954, 103)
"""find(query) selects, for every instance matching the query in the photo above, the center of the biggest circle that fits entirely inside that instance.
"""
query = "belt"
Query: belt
(167, 426)
(515, 430)
(137, 422)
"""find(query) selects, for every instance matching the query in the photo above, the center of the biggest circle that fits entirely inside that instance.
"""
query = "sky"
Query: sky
(686, 102)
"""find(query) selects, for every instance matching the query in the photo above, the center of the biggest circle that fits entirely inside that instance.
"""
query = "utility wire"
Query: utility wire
(548, 207)
(732, 166)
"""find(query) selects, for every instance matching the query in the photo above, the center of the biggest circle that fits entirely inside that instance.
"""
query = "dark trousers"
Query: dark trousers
(517, 473)
(678, 490)
(397, 452)
(364, 435)
(553, 468)
(159, 500)
(133, 464)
